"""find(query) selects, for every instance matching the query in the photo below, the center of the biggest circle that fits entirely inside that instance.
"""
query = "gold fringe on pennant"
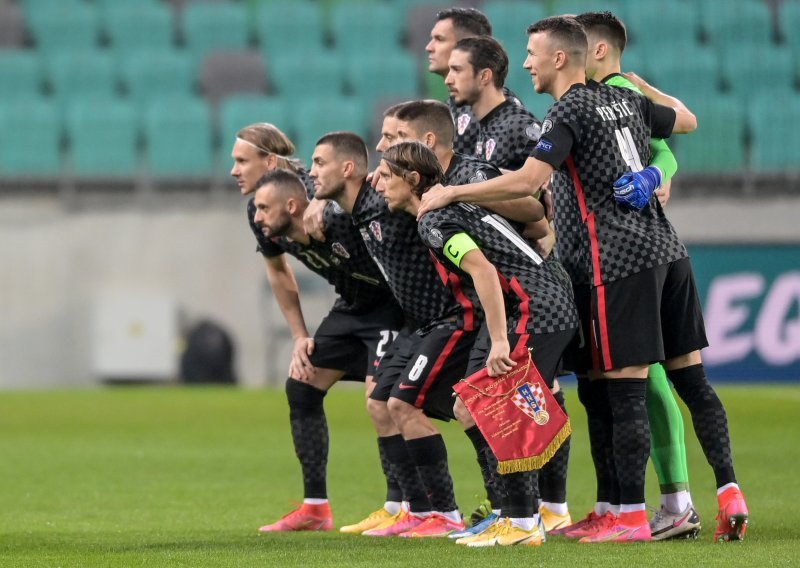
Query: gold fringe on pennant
(537, 462)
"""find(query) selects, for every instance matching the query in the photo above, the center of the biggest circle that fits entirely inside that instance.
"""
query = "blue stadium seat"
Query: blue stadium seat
(64, 25)
(362, 27)
(30, 138)
(280, 25)
(745, 67)
(371, 76)
(103, 137)
(661, 23)
(734, 21)
(147, 74)
(136, 26)
(238, 111)
(510, 21)
(214, 26)
(774, 133)
(178, 136)
(81, 73)
(717, 146)
(21, 74)
(301, 72)
(315, 117)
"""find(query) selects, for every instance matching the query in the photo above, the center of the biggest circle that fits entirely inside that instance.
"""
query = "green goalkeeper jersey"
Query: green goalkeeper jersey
(662, 157)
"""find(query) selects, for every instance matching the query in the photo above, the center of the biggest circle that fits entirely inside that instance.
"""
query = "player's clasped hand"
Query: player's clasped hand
(634, 189)
(435, 198)
(300, 367)
(314, 219)
(499, 362)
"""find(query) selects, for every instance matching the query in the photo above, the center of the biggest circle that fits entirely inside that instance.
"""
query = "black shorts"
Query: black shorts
(354, 343)
(422, 369)
(651, 316)
(546, 351)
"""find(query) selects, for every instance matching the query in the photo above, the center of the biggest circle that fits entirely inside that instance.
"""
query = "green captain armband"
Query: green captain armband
(457, 246)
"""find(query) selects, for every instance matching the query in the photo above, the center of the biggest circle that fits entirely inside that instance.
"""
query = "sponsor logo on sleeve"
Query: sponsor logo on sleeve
(544, 145)
(534, 131)
(478, 177)
(547, 126)
(436, 238)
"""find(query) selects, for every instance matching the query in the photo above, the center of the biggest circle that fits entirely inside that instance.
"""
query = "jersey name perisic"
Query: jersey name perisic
(391, 238)
(537, 293)
(507, 135)
(342, 260)
(593, 135)
(466, 134)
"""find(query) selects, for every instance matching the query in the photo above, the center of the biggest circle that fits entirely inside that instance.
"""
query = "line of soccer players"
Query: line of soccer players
(449, 228)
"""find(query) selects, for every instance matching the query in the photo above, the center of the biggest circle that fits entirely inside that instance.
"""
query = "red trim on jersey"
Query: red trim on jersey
(453, 281)
(524, 306)
(602, 322)
(597, 281)
(437, 366)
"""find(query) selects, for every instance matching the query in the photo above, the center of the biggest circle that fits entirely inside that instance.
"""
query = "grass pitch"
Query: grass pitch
(183, 477)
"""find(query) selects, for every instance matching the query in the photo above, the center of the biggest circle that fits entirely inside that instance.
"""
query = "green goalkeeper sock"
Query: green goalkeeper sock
(668, 449)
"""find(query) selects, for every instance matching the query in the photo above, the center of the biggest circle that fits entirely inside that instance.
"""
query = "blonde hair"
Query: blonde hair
(268, 139)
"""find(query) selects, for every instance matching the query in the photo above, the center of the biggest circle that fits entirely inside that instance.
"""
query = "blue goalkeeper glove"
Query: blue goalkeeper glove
(634, 189)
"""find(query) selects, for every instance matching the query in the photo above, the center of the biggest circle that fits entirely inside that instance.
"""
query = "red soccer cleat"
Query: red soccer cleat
(305, 518)
(733, 516)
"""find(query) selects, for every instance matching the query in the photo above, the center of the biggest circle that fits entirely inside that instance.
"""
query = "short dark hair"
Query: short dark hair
(466, 21)
(347, 144)
(485, 52)
(394, 109)
(432, 115)
(606, 25)
(288, 182)
(565, 31)
(415, 157)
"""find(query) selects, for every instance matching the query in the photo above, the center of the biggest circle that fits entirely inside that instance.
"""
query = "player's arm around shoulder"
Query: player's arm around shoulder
(685, 120)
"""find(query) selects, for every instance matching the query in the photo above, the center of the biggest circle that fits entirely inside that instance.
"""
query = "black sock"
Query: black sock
(430, 455)
(709, 419)
(405, 472)
(310, 435)
(521, 489)
(631, 436)
(393, 490)
(492, 481)
(594, 397)
(553, 475)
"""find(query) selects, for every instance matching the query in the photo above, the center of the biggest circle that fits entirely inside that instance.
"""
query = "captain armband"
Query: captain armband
(457, 246)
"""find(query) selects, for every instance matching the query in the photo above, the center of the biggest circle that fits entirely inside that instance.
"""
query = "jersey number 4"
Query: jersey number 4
(628, 149)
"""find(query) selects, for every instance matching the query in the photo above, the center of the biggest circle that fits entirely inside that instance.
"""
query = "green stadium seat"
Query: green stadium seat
(688, 71)
(214, 27)
(735, 21)
(238, 111)
(359, 28)
(148, 74)
(662, 23)
(635, 59)
(21, 74)
(510, 21)
(717, 146)
(775, 137)
(298, 73)
(315, 117)
(372, 76)
(280, 25)
(64, 25)
(82, 73)
(178, 136)
(140, 25)
(789, 21)
(103, 137)
(747, 66)
(580, 6)
(30, 138)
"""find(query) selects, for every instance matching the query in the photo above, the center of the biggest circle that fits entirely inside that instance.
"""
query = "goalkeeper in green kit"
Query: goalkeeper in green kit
(677, 517)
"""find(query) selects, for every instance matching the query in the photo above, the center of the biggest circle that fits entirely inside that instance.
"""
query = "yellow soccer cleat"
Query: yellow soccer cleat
(553, 521)
(373, 520)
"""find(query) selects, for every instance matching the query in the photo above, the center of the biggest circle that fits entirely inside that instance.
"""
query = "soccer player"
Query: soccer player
(595, 140)
(507, 132)
(498, 268)
(452, 25)
(415, 377)
(677, 517)
(358, 329)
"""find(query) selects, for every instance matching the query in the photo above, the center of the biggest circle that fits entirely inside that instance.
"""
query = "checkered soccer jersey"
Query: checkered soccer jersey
(464, 169)
(538, 293)
(507, 135)
(593, 135)
(406, 263)
(467, 125)
(342, 260)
